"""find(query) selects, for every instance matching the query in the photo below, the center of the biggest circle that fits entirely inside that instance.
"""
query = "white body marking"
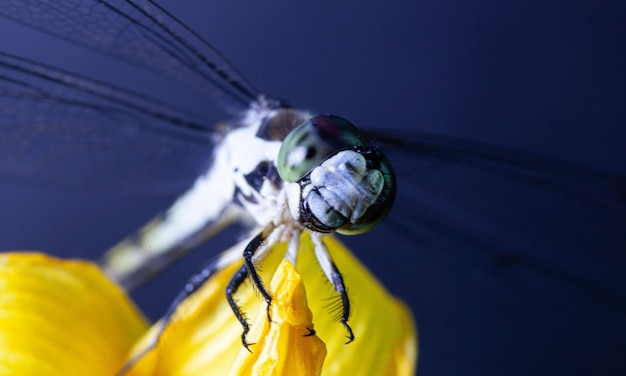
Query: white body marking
(208, 206)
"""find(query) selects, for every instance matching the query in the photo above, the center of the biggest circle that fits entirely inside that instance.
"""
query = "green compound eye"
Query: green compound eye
(307, 145)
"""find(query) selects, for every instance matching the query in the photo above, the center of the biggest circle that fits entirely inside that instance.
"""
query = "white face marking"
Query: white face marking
(294, 195)
(345, 186)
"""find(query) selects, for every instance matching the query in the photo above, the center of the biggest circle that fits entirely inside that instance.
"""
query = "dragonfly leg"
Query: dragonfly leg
(249, 269)
(334, 276)
(192, 285)
(231, 289)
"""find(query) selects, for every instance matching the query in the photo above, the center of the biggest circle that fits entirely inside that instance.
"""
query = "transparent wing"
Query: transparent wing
(60, 129)
(578, 182)
(528, 249)
(140, 33)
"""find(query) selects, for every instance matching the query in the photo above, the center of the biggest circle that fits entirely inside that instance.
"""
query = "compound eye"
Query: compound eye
(310, 143)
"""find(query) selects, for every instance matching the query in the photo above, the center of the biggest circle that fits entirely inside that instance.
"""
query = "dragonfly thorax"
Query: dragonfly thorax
(258, 187)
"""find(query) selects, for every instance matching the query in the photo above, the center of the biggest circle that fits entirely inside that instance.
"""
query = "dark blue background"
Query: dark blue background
(544, 76)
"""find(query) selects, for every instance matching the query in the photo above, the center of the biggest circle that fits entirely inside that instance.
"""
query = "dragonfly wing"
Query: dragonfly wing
(564, 178)
(510, 254)
(140, 33)
(60, 129)
(498, 208)
(65, 130)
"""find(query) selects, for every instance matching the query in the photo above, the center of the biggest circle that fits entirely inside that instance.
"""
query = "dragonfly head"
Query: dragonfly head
(334, 180)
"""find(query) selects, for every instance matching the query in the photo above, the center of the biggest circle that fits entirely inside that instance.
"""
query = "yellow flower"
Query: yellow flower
(204, 337)
(62, 318)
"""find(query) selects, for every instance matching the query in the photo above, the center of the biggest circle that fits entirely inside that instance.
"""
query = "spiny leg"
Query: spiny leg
(249, 269)
(231, 289)
(334, 276)
(192, 285)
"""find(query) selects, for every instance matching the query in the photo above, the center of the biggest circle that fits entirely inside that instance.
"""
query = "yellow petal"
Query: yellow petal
(205, 337)
(286, 346)
(62, 318)
(385, 336)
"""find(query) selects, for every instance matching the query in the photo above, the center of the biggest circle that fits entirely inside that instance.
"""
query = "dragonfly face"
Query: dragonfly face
(500, 264)
(336, 182)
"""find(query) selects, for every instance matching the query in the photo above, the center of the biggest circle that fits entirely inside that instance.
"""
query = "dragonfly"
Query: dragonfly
(515, 278)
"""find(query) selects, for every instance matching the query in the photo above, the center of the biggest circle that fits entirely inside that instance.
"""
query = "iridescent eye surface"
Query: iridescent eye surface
(312, 142)
(346, 186)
